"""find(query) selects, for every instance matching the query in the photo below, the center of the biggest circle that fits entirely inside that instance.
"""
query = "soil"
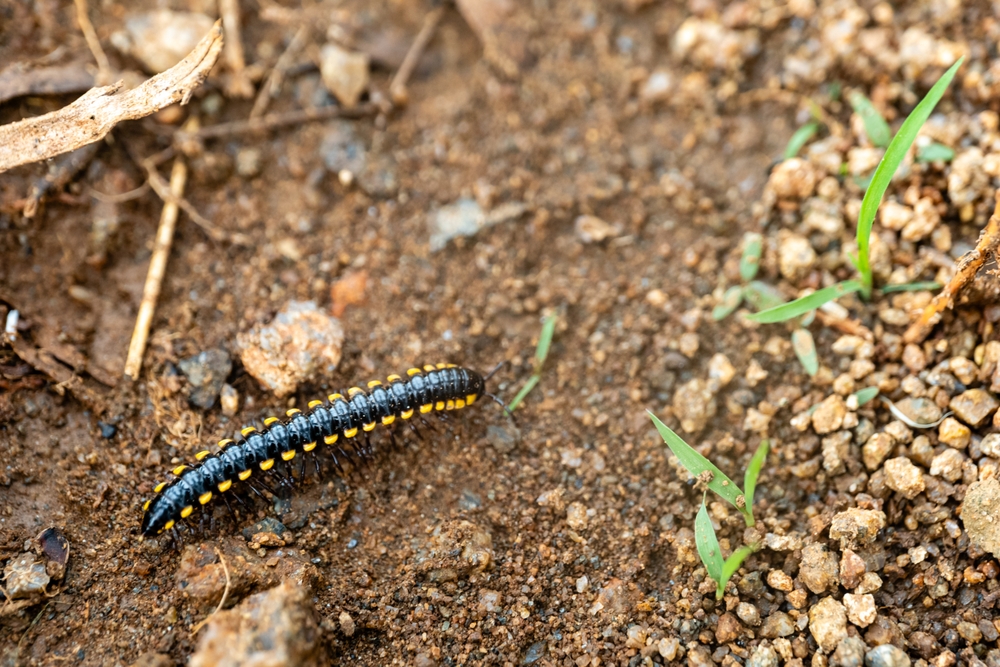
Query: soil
(565, 539)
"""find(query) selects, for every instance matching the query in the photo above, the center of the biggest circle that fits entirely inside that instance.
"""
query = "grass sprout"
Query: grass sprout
(753, 245)
(804, 304)
(721, 571)
(875, 126)
(805, 349)
(541, 353)
(865, 395)
(800, 138)
(911, 287)
(935, 152)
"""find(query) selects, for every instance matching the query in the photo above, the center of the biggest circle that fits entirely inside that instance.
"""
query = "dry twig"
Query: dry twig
(240, 84)
(966, 269)
(397, 89)
(97, 111)
(17, 80)
(274, 121)
(222, 601)
(157, 269)
(105, 74)
(60, 173)
(273, 83)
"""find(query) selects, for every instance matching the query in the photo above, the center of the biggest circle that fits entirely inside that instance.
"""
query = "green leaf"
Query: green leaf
(935, 152)
(753, 472)
(708, 543)
(887, 167)
(805, 350)
(911, 287)
(762, 296)
(865, 395)
(875, 126)
(753, 244)
(525, 390)
(544, 342)
(730, 567)
(730, 301)
(805, 304)
(800, 138)
(696, 464)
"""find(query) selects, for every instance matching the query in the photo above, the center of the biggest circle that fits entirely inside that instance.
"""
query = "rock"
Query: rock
(856, 527)
(793, 179)
(453, 550)
(974, 406)
(779, 580)
(614, 601)
(782, 542)
(301, 344)
(979, 514)
(954, 433)
(829, 414)
(160, 39)
(728, 629)
(463, 218)
(852, 568)
(920, 410)
(229, 400)
(349, 290)
(576, 516)
(948, 465)
(25, 578)
(828, 623)
(970, 632)
(347, 625)
(860, 609)
(748, 613)
(658, 87)
(720, 370)
(778, 624)
(341, 149)
(152, 659)
(875, 451)
(914, 358)
(763, 656)
(669, 648)
(344, 73)
(990, 445)
(850, 653)
(887, 655)
(818, 569)
(206, 372)
(503, 438)
(694, 404)
(904, 477)
(870, 582)
(796, 256)
(276, 627)
(591, 229)
(249, 161)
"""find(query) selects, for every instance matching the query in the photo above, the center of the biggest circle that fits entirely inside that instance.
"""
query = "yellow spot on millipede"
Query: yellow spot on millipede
(394, 378)
(450, 405)
(459, 404)
(247, 430)
(168, 525)
(440, 366)
(179, 469)
(429, 368)
(292, 411)
(471, 398)
(374, 383)
(407, 414)
(202, 454)
(266, 465)
(160, 487)
(245, 475)
(388, 419)
(331, 439)
(334, 397)
(424, 409)
(368, 427)
(145, 505)
(439, 405)
(225, 486)
(351, 432)
(413, 371)
(186, 512)
(288, 456)
(309, 446)
(225, 442)
(205, 497)
(354, 391)
(313, 404)
(270, 420)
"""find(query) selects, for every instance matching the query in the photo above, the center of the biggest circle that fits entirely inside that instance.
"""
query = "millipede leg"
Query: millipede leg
(230, 508)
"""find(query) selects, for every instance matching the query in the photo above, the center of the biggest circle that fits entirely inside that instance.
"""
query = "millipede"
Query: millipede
(340, 426)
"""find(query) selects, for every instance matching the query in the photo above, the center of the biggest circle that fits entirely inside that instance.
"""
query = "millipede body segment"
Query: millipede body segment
(323, 425)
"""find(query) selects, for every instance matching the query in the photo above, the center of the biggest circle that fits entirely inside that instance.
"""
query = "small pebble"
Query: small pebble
(979, 514)
(860, 609)
(347, 625)
(828, 623)
(25, 578)
(954, 433)
(591, 229)
(974, 406)
(829, 414)
(344, 73)
(229, 399)
(904, 477)
(886, 655)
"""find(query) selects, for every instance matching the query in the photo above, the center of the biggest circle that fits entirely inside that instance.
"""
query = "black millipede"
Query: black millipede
(325, 425)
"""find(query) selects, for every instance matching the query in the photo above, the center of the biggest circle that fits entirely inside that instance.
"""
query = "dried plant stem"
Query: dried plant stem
(274, 121)
(240, 84)
(397, 89)
(222, 600)
(277, 75)
(966, 269)
(105, 73)
(157, 269)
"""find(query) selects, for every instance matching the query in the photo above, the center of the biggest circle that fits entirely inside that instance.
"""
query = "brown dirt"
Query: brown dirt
(569, 135)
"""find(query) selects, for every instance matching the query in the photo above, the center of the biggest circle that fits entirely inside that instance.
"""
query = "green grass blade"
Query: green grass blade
(545, 342)
(730, 567)
(935, 152)
(525, 390)
(762, 296)
(805, 350)
(803, 305)
(753, 472)
(708, 543)
(800, 139)
(753, 244)
(730, 301)
(887, 167)
(911, 287)
(875, 126)
(865, 395)
(696, 464)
